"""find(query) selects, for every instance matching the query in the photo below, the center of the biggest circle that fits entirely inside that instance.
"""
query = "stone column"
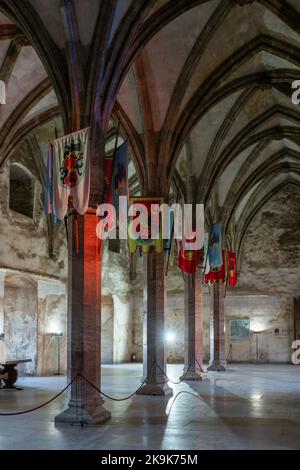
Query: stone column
(84, 322)
(154, 319)
(2, 340)
(218, 361)
(193, 353)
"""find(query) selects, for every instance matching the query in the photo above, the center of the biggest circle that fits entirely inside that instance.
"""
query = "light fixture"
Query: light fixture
(57, 333)
(54, 327)
(257, 326)
(256, 396)
(1, 336)
(170, 337)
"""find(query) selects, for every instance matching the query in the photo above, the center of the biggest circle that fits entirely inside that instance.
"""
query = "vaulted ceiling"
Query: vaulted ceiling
(202, 89)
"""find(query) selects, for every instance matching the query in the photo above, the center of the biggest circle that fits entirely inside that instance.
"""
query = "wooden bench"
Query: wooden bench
(9, 373)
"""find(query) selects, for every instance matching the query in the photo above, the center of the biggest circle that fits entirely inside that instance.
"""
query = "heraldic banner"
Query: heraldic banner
(68, 174)
(188, 260)
(219, 275)
(143, 227)
(215, 247)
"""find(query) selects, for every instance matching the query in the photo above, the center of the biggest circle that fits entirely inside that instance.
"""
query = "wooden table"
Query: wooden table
(10, 373)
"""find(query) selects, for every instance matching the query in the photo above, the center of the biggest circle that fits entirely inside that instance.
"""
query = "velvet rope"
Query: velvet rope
(43, 404)
(82, 378)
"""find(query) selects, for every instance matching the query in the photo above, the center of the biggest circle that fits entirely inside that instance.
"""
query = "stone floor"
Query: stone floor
(246, 407)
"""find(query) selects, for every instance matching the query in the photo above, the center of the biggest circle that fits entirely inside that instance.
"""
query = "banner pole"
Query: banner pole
(172, 233)
(206, 255)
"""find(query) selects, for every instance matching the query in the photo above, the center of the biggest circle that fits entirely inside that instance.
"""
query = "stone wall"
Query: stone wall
(265, 316)
(33, 302)
(270, 272)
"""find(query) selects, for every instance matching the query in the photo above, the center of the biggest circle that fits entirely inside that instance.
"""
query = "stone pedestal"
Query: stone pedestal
(154, 357)
(193, 355)
(218, 361)
(84, 323)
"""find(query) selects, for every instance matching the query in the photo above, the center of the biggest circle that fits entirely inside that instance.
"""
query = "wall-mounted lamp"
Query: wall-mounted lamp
(2, 336)
(170, 337)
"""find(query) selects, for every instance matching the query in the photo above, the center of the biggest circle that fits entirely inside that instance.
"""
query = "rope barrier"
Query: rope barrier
(82, 378)
(183, 376)
(43, 404)
(181, 392)
(118, 399)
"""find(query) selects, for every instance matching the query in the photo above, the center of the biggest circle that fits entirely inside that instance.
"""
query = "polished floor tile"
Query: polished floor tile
(246, 407)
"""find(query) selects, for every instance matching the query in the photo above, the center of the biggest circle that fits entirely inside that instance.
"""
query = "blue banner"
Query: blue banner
(215, 247)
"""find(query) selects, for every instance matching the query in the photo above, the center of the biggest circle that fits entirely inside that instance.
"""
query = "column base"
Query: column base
(91, 415)
(217, 366)
(192, 374)
(155, 390)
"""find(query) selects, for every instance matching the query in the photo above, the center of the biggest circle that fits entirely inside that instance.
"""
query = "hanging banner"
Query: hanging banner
(188, 260)
(68, 174)
(219, 275)
(215, 247)
(148, 229)
(231, 266)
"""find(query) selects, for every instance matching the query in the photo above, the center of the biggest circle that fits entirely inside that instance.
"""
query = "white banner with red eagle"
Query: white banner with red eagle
(68, 174)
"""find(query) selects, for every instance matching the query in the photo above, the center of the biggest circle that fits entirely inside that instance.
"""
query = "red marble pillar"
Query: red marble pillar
(218, 361)
(84, 321)
(154, 356)
(193, 306)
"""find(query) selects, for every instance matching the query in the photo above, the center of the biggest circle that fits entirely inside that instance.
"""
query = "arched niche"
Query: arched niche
(20, 320)
(21, 190)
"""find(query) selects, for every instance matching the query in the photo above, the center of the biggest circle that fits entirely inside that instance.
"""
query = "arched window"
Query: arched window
(21, 190)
